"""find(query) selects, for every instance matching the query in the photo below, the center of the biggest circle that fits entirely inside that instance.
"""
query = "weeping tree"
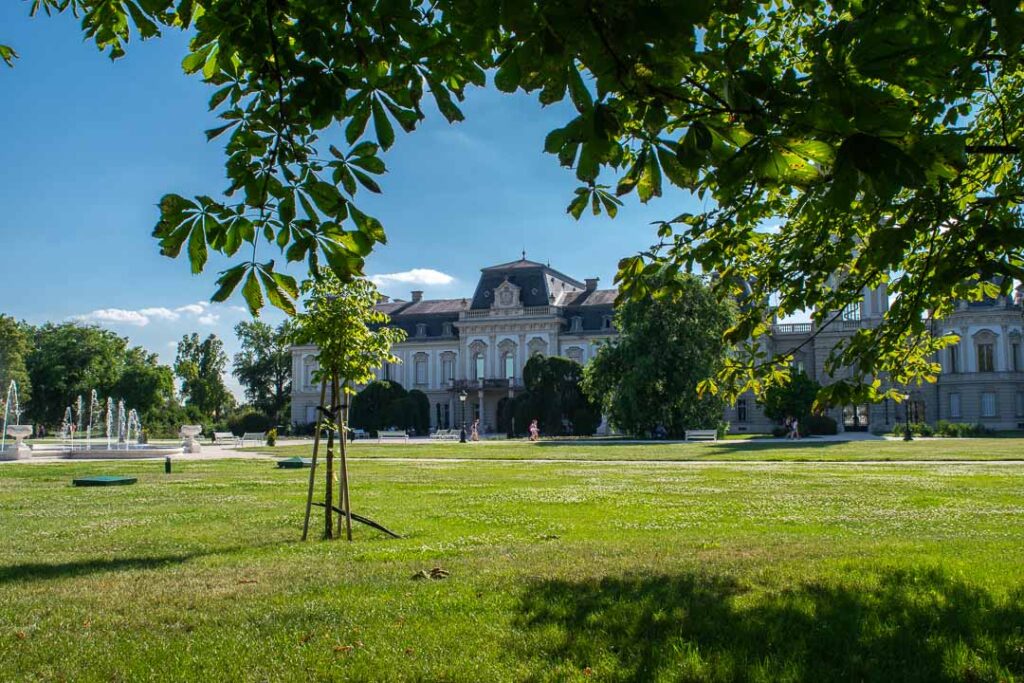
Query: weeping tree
(353, 339)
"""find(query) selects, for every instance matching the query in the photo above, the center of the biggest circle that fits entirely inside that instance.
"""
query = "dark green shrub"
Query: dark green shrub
(248, 421)
(819, 424)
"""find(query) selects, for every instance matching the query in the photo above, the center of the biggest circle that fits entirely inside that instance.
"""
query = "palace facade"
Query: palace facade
(478, 346)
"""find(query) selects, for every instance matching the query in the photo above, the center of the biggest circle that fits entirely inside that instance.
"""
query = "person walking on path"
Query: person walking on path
(475, 430)
(534, 431)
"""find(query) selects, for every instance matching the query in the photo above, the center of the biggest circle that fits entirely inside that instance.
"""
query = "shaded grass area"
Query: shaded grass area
(808, 450)
(576, 571)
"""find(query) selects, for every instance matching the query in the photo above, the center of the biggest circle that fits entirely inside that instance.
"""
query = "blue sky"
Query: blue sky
(89, 146)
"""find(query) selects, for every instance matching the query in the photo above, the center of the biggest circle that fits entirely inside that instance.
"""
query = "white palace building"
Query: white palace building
(479, 346)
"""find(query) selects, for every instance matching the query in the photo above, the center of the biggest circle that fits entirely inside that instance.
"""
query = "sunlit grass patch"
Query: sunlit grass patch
(586, 571)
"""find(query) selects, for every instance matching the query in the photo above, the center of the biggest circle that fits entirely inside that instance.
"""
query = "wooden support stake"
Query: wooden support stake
(346, 503)
(329, 493)
(312, 466)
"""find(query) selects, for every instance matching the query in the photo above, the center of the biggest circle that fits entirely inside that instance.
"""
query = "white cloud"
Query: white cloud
(160, 312)
(416, 276)
(195, 309)
(118, 316)
(141, 317)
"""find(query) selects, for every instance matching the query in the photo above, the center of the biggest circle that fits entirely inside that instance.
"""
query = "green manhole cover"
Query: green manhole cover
(294, 463)
(104, 480)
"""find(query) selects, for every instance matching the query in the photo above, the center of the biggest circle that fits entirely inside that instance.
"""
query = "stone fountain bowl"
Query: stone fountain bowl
(17, 450)
(191, 431)
(19, 432)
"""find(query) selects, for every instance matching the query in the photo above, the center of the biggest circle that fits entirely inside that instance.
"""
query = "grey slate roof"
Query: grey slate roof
(540, 285)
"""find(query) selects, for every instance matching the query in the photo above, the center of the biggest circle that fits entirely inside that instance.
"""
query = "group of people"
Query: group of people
(792, 428)
(474, 430)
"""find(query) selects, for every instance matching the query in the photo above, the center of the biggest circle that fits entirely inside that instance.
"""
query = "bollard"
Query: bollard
(167, 465)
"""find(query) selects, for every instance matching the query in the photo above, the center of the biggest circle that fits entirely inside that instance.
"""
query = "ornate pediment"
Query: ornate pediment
(506, 295)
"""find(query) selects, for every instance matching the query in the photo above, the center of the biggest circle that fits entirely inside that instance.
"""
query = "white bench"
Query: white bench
(258, 437)
(702, 435)
(385, 434)
(445, 435)
(226, 437)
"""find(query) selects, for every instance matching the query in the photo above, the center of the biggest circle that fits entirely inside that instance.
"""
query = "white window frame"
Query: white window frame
(954, 406)
(988, 404)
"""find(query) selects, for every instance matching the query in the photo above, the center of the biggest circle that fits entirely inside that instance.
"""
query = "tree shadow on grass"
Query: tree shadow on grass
(44, 571)
(916, 625)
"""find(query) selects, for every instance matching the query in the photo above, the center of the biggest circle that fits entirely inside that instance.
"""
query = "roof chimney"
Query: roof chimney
(591, 283)
(417, 295)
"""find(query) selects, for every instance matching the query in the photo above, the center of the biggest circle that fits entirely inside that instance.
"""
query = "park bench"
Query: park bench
(702, 435)
(225, 437)
(445, 435)
(386, 434)
(259, 437)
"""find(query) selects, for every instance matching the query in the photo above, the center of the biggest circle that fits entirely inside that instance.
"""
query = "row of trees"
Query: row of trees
(56, 362)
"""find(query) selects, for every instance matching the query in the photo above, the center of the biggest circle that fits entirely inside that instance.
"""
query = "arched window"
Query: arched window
(510, 365)
(741, 410)
(478, 365)
(575, 353)
(447, 366)
(985, 345)
(420, 368)
(309, 366)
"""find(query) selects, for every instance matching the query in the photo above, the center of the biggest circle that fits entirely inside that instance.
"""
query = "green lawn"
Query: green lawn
(739, 450)
(578, 571)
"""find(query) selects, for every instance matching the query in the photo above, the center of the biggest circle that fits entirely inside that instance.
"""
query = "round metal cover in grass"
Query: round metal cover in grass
(104, 480)
(294, 463)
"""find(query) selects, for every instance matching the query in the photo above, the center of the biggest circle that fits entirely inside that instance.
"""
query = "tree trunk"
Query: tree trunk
(312, 466)
(329, 493)
(346, 503)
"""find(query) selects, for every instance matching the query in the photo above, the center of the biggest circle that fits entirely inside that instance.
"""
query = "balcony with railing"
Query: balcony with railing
(792, 328)
(522, 312)
(487, 383)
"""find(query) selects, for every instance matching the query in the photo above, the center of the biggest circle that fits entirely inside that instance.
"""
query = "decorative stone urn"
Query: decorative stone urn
(19, 450)
(189, 433)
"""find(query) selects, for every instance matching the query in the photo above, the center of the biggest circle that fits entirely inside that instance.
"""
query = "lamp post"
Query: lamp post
(462, 401)
(907, 436)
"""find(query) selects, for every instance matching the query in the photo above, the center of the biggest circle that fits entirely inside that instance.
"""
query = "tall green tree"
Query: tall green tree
(795, 399)
(667, 346)
(68, 360)
(200, 365)
(882, 138)
(264, 366)
(14, 347)
(554, 398)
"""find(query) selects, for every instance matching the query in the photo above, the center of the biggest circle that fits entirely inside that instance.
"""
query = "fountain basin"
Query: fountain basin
(133, 453)
(102, 452)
